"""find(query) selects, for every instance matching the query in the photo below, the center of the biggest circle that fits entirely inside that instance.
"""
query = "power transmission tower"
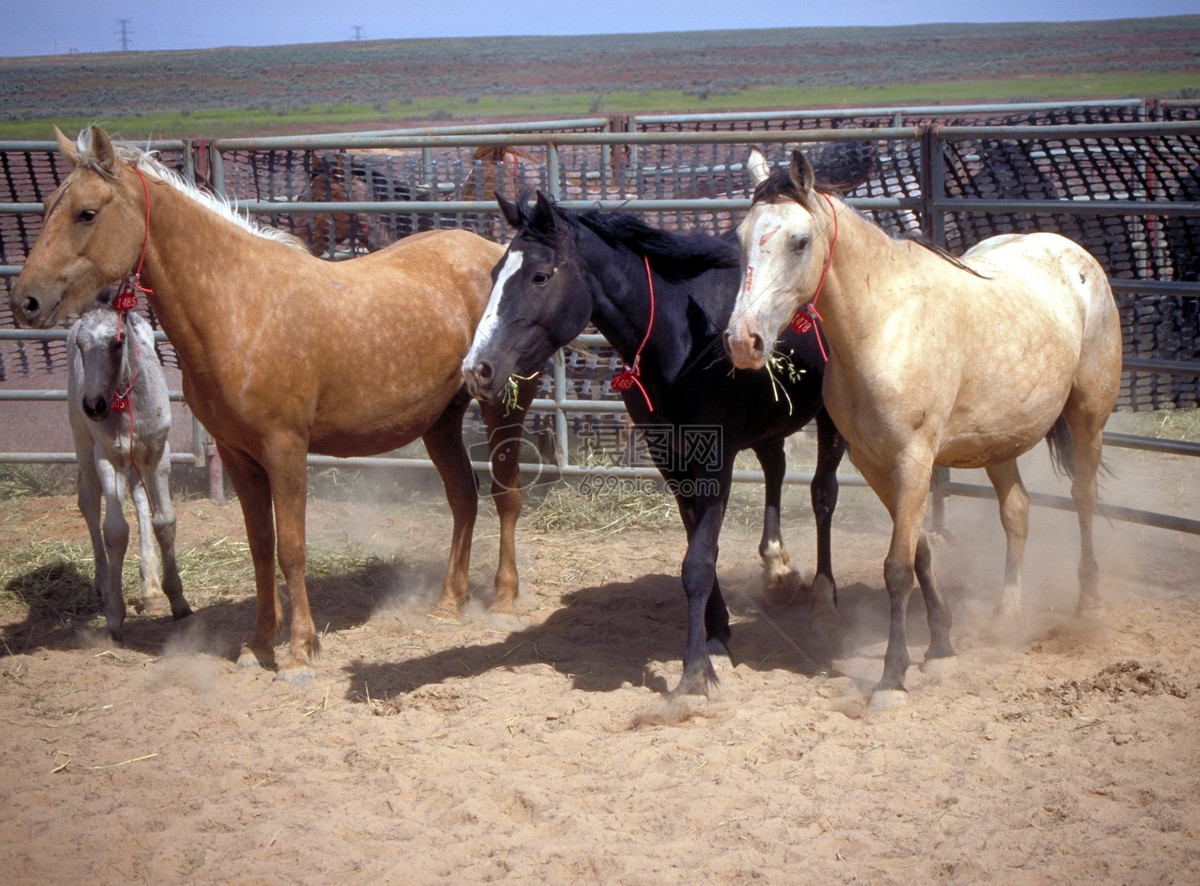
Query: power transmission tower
(123, 31)
(358, 32)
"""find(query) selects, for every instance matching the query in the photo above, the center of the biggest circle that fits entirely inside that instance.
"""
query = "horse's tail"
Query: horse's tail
(1062, 452)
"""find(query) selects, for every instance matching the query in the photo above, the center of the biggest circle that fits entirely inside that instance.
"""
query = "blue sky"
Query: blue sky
(42, 27)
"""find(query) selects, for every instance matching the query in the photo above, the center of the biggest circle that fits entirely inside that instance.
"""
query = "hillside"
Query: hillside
(275, 88)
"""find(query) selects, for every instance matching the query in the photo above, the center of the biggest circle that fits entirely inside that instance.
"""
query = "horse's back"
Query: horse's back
(452, 261)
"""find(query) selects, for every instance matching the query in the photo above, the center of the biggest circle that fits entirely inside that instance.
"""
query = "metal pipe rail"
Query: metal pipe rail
(933, 204)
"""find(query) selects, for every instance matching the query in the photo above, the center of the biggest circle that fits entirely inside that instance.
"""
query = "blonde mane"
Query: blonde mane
(146, 162)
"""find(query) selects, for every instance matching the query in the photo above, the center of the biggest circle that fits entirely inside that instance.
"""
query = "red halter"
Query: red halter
(627, 379)
(808, 316)
(127, 295)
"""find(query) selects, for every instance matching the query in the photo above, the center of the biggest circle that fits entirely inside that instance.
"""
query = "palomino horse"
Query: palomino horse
(936, 361)
(662, 300)
(285, 354)
(120, 414)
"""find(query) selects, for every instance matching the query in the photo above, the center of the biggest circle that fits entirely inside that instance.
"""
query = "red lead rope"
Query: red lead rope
(627, 379)
(808, 316)
(126, 300)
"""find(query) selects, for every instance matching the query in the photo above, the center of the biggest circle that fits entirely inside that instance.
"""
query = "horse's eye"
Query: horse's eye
(540, 278)
(800, 243)
(87, 215)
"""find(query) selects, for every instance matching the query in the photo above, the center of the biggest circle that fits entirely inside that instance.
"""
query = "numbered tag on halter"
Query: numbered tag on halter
(127, 298)
(622, 383)
(120, 402)
(802, 322)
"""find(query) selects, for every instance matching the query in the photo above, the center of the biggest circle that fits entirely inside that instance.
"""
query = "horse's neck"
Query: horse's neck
(859, 293)
(196, 289)
(622, 314)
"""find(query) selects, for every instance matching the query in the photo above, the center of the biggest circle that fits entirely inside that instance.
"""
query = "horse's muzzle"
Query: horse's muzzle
(95, 408)
(480, 378)
(745, 348)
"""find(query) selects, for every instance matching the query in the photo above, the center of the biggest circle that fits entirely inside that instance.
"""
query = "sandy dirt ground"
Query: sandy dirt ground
(541, 748)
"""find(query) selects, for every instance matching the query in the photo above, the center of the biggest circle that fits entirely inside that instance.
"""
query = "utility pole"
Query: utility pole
(123, 32)
(358, 32)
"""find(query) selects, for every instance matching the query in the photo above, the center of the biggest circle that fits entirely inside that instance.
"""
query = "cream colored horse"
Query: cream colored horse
(285, 354)
(935, 361)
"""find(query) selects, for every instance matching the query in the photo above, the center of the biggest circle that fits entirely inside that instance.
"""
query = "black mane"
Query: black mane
(673, 256)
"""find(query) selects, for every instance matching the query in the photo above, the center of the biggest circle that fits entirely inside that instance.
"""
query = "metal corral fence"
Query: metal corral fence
(1122, 178)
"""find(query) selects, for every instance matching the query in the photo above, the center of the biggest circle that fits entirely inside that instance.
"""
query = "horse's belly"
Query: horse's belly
(981, 450)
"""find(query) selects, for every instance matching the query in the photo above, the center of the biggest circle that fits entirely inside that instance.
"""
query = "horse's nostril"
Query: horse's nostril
(95, 408)
(757, 342)
(483, 371)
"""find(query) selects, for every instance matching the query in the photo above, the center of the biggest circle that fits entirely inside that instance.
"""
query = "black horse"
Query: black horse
(663, 301)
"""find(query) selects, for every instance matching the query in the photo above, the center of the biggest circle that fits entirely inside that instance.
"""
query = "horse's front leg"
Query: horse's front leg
(288, 471)
(253, 489)
(444, 443)
(504, 426)
(699, 576)
(116, 542)
(148, 565)
(90, 500)
(904, 490)
(716, 615)
(781, 584)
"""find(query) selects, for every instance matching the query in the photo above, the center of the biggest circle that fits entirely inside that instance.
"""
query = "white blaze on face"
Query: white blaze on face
(490, 321)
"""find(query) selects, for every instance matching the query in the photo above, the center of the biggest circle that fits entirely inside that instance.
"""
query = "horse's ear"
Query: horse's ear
(544, 217)
(103, 151)
(510, 211)
(802, 172)
(68, 147)
(757, 164)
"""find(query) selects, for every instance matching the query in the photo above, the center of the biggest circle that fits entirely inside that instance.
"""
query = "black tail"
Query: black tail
(1062, 453)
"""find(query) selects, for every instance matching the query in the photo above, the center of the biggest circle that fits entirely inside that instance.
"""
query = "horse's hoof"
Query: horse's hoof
(248, 659)
(884, 699)
(939, 667)
(185, 612)
(1010, 605)
(783, 588)
(445, 613)
(153, 607)
(298, 675)
(1091, 610)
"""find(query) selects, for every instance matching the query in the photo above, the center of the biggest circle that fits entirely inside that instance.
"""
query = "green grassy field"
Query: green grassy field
(240, 122)
(414, 83)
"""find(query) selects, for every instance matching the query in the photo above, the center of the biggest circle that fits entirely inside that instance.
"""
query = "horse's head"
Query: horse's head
(91, 235)
(101, 354)
(539, 299)
(786, 238)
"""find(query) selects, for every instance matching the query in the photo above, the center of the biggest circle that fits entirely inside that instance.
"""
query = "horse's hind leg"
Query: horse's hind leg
(824, 491)
(162, 520)
(444, 443)
(1086, 444)
(1014, 517)
(504, 449)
